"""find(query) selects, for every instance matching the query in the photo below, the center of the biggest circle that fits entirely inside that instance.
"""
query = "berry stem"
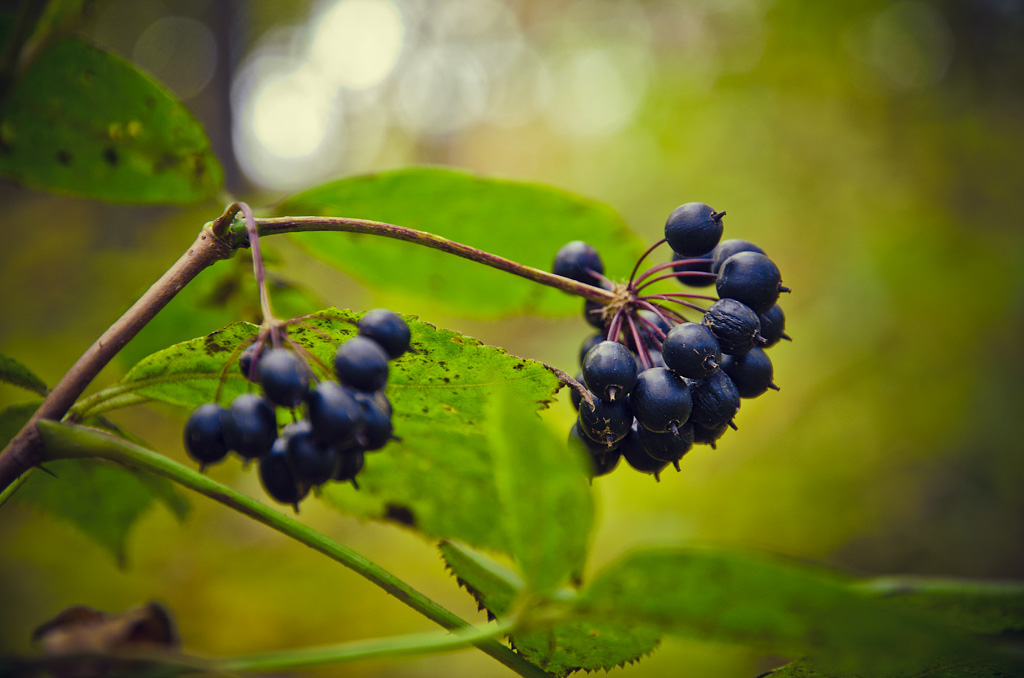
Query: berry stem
(62, 441)
(278, 225)
(667, 276)
(681, 302)
(641, 346)
(680, 274)
(636, 266)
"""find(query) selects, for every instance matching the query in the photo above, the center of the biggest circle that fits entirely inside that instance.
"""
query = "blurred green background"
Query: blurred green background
(873, 149)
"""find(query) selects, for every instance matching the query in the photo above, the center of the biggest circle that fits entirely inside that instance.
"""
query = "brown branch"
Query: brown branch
(25, 450)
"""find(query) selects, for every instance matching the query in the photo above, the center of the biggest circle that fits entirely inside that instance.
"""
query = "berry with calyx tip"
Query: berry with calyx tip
(734, 324)
(350, 465)
(693, 229)
(691, 350)
(773, 326)
(334, 414)
(660, 401)
(715, 400)
(669, 446)
(750, 278)
(589, 343)
(376, 399)
(283, 376)
(576, 260)
(701, 266)
(245, 363)
(608, 422)
(377, 427)
(708, 436)
(609, 371)
(727, 248)
(388, 329)
(751, 372)
(277, 477)
(637, 456)
(311, 462)
(204, 435)
(361, 363)
(250, 426)
(603, 458)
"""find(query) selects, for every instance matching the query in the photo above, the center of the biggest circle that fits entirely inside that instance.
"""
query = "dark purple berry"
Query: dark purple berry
(361, 363)
(377, 427)
(608, 422)
(204, 435)
(603, 458)
(277, 477)
(750, 278)
(669, 446)
(715, 400)
(312, 462)
(660, 401)
(727, 248)
(609, 371)
(708, 436)
(751, 372)
(576, 260)
(691, 350)
(693, 229)
(388, 329)
(284, 377)
(773, 325)
(589, 343)
(335, 415)
(350, 465)
(593, 312)
(250, 426)
(734, 324)
(637, 456)
(245, 363)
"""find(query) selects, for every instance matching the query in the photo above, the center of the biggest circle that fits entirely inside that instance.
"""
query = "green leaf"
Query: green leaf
(524, 222)
(545, 503)
(568, 647)
(85, 122)
(976, 606)
(773, 605)
(13, 372)
(101, 499)
(954, 670)
(440, 478)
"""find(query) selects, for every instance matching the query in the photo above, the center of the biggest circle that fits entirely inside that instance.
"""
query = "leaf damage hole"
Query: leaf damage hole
(400, 514)
(111, 157)
(63, 157)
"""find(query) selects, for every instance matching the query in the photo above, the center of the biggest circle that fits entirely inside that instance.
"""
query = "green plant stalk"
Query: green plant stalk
(61, 441)
(276, 226)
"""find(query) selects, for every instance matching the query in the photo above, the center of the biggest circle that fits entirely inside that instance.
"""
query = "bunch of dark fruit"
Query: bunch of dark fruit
(343, 419)
(656, 382)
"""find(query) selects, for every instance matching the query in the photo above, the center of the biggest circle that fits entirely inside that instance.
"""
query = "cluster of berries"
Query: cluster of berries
(344, 418)
(656, 382)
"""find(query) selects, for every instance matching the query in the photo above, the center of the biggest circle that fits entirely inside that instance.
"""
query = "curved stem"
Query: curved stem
(276, 226)
(661, 267)
(636, 266)
(71, 441)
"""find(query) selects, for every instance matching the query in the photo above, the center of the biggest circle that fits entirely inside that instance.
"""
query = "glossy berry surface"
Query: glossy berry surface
(609, 370)
(283, 376)
(751, 372)
(606, 422)
(715, 400)
(349, 465)
(693, 229)
(361, 363)
(691, 350)
(660, 401)
(703, 435)
(734, 324)
(669, 446)
(377, 428)
(727, 248)
(750, 278)
(334, 414)
(311, 462)
(576, 260)
(589, 343)
(639, 458)
(388, 329)
(773, 325)
(204, 435)
(603, 458)
(277, 478)
(250, 426)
